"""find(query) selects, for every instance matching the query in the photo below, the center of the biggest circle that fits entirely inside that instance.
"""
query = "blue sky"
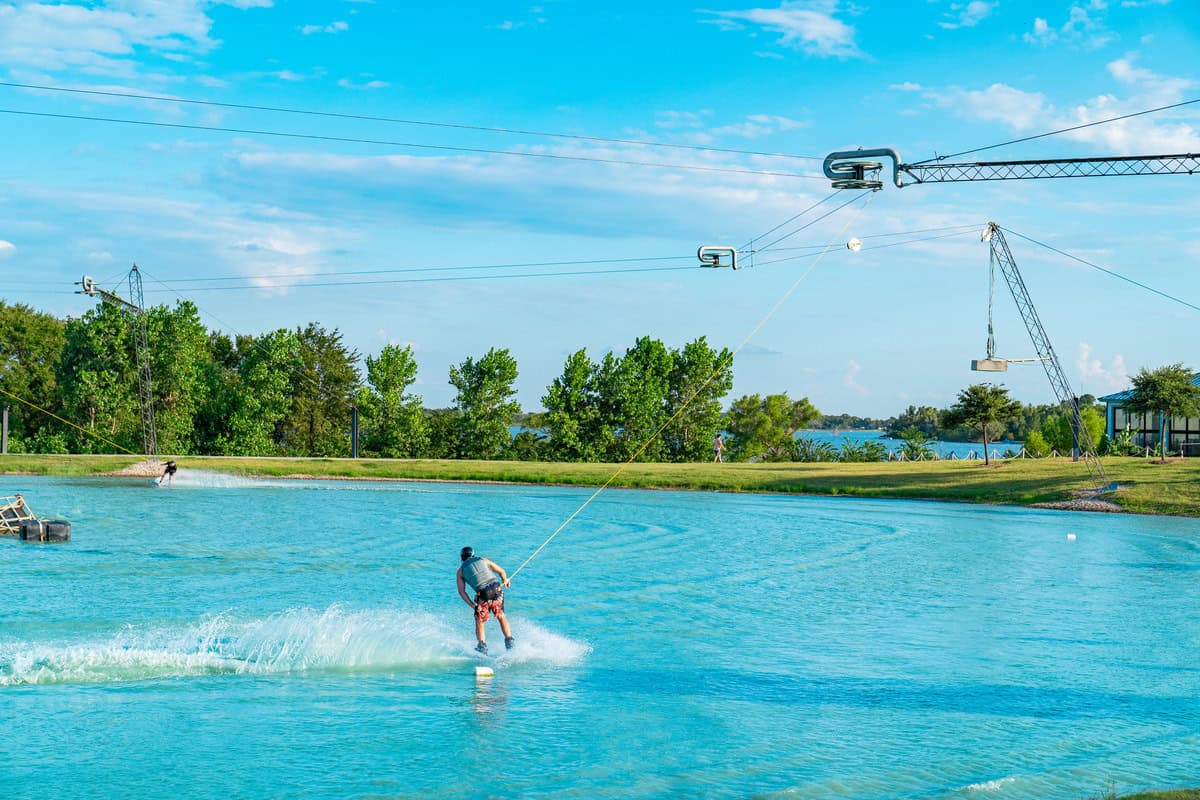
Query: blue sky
(866, 333)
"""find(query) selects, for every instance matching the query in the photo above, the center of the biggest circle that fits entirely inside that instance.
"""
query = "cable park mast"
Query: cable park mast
(854, 169)
(1002, 256)
(135, 308)
(847, 170)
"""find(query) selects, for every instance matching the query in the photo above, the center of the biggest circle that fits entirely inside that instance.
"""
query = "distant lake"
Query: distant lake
(943, 449)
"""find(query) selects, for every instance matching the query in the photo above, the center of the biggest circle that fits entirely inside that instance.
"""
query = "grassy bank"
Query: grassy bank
(1146, 486)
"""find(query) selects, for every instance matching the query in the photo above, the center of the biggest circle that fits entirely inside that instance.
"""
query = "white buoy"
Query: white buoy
(484, 672)
(1070, 537)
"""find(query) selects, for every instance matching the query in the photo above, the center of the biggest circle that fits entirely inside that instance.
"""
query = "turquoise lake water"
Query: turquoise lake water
(940, 448)
(229, 638)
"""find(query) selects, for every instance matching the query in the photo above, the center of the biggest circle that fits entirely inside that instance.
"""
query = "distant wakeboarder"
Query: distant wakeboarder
(168, 474)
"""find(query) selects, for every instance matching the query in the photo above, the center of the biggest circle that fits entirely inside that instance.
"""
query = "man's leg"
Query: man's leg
(503, 620)
(480, 634)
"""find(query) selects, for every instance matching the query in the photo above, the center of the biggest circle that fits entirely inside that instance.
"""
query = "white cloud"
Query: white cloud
(810, 26)
(7, 249)
(1042, 33)
(907, 86)
(681, 119)
(1025, 112)
(1020, 110)
(758, 125)
(346, 83)
(476, 192)
(1113, 377)
(103, 37)
(968, 15)
(333, 27)
(1084, 27)
(850, 379)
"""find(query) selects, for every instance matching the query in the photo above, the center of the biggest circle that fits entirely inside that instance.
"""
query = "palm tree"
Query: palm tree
(1166, 391)
(981, 406)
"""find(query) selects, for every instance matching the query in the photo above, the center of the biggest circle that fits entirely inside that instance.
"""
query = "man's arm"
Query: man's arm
(499, 570)
(462, 589)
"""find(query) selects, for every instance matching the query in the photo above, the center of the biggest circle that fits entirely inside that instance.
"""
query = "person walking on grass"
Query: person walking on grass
(488, 580)
(718, 450)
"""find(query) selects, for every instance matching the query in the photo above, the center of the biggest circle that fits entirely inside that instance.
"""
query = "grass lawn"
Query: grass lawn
(1146, 486)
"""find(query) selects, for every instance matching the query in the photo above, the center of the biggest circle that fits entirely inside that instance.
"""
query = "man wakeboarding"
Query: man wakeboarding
(488, 580)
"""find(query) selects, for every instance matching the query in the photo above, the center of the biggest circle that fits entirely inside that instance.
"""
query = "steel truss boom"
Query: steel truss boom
(141, 336)
(1003, 257)
(847, 169)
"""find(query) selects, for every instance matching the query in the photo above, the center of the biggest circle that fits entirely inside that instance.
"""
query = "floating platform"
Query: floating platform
(17, 519)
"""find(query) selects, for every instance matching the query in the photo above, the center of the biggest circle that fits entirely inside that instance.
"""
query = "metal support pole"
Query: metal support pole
(354, 431)
(1076, 420)
(4, 435)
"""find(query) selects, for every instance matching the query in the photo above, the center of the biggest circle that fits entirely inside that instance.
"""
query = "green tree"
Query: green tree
(926, 419)
(766, 426)
(573, 413)
(250, 393)
(31, 344)
(1037, 445)
(1057, 430)
(983, 407)
(1168, 392)
(98, 379)
(633, 400)
(179, 355)
(699, 377)
(323, 382)
(394, 420)
(484, 405)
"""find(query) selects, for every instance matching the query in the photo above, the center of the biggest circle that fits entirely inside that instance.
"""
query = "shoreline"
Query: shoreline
(1058, 484)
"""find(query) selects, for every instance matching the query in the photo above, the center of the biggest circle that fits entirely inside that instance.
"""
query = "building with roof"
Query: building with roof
(1183, 433)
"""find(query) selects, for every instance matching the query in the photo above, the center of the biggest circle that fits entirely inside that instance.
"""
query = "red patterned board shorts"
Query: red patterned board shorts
(488, 601)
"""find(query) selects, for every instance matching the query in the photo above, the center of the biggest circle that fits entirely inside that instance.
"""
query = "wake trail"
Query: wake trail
(296, 641)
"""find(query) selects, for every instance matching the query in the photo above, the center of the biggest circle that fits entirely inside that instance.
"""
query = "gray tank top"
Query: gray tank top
(477, 573)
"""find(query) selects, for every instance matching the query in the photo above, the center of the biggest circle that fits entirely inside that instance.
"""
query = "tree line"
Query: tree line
(290, 392)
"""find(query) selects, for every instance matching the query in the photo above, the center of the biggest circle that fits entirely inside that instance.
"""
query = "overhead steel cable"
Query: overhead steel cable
(1118, 275)
(413, 145)
(867, 249)
(812, 222)
(1060, 130)
(750, 244)
(683, 406)
(255, 341)
(393, 270)
(473, 267)
(970, 226)
(242, 287)
(400, 121)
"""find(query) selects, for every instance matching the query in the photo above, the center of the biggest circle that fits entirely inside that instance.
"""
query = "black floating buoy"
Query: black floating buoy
(45, 530)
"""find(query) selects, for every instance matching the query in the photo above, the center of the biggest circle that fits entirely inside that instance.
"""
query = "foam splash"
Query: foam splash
(990, 786)
(293, 641)
(202, 479)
